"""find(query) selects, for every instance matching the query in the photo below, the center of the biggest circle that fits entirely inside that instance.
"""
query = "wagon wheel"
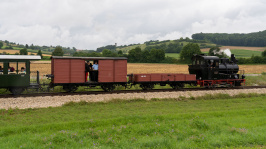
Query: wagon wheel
(174, 86)
(70, 88)
(147, 86)
(16, 90)
(108, 87)
(181, 85)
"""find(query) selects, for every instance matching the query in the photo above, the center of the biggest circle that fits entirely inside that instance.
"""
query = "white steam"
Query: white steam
(227, 52)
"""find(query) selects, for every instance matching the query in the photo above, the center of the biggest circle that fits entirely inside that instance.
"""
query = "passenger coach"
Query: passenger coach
(15, 73)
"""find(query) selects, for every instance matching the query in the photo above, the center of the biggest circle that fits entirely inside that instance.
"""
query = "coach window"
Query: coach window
(21, 67)
(12, 67)
(1, 68)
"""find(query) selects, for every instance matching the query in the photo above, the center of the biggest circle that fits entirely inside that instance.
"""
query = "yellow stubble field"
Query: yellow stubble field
(44, 67)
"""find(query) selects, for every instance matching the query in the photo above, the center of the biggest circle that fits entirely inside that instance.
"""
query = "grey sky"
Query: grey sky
(88, 24)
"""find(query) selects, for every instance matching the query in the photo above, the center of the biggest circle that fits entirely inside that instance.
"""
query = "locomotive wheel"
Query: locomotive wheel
(70, 88)
(16, 90)
(147, 86)
(108, 87)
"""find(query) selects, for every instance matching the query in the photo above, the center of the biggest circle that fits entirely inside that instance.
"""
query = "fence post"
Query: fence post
(38, 78)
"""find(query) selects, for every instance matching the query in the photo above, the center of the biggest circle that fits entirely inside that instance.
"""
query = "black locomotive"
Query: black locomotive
(212, 70)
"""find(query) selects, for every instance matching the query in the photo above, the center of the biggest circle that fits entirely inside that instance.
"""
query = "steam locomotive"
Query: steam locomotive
(212, 71)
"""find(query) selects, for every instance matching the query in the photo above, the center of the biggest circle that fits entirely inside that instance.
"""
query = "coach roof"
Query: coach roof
(20, 57)
(90, 58)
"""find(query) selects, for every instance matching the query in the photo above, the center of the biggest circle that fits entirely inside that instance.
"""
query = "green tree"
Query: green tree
(145, 56)
(27, 46)
(188, 51)
(263, 54)
(106, 53)
(213, 50)
(109, 53)
(134, 55)
(120, 52)
(216, 51)
(156, 55)
(58, 51)
(1, 44)
(39, 53)
(32, 47)
(23, 51)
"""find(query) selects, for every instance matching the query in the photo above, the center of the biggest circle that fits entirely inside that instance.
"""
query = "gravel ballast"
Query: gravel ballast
(55, 101)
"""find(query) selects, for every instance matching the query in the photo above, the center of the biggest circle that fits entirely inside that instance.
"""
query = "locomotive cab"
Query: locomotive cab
(205, 67)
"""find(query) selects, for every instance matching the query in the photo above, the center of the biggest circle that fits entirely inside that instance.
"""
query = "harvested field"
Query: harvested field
(156, 68)
(44, 67)
(55, 101)
(253, 68)
(9, 51)
(17, 51)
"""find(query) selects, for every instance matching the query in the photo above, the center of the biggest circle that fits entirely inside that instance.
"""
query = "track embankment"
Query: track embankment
(54, 101)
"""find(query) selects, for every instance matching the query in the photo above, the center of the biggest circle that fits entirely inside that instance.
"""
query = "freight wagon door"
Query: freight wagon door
(77, 73)
(61, 70)
(68, 70)
(106, 71)
(120, 72)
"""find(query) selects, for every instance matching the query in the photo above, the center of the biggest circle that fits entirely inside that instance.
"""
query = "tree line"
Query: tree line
(256, 39)
(153, 55)
(11, 45)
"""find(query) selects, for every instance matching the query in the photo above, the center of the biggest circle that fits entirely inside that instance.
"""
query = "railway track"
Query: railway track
(123, 92)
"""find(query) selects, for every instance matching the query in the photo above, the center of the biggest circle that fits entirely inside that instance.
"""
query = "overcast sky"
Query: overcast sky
(88, 24)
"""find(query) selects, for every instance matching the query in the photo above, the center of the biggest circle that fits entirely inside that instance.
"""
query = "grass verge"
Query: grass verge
(237, 121)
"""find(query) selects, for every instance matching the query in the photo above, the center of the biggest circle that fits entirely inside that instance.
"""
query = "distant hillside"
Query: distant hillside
(170, 46)
(13, 48)
(256, 39)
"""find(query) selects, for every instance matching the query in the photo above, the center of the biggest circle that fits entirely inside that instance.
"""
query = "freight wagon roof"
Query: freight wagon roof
(90, 58)
(20, 57)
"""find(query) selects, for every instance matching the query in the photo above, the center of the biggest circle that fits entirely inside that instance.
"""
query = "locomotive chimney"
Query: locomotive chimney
(233, 59)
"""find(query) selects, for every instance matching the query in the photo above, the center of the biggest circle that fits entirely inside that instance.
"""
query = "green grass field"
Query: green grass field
(238, 53)
(245, 53)
(256, 80)
(203, 123)
(174, 55)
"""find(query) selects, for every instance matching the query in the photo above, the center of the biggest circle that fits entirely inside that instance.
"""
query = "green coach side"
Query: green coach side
(12, 75)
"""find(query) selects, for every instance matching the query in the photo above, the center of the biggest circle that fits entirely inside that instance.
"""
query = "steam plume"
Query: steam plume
(227, 52)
